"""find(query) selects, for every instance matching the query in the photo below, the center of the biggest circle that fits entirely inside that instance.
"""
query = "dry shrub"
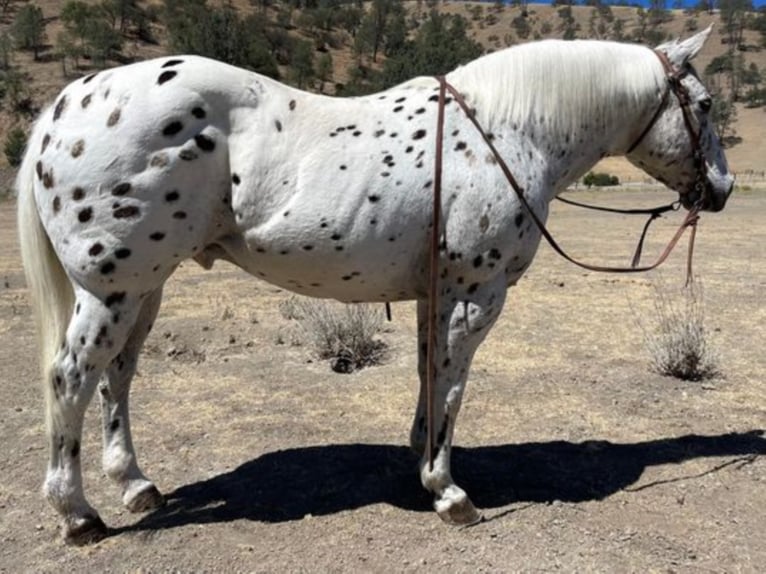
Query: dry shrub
(344, 334)
(678, 343)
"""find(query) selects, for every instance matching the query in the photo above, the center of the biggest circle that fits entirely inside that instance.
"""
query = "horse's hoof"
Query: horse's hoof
(143, 498)
(87, 530)
(458, 511)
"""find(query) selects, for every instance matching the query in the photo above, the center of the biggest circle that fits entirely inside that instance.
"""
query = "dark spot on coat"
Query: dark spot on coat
(461, 146)
(77, 148)
(56, 204)
(292, 105)
(85, 102)
(494, 254)
(85, 215)
(171, 63)
(165, 76)
(519, 219)
(121, 189)
(472, 288)
(87, 79)
(122, 253)
(379, 133)
(115, 298)
(373, 198)
(205, 143)
(46, 141)
(48, 180)
(78, 193)
(478, 260)
(95, 249)
(39, 170)
(187, 155)
(157, 236)
(107, 268)
(278, 125)
(114, 425)
(125, 212)
(75, 449)
(172, 128)
(60, 107)
(179, 215)
(114, 117)
(419, 134)
(235, 179)
(198, 113)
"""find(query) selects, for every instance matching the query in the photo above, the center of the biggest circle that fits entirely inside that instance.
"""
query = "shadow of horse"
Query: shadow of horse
(319, 480)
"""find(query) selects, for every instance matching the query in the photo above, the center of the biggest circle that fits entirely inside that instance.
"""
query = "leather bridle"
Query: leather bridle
(701, 185)
(675, 86)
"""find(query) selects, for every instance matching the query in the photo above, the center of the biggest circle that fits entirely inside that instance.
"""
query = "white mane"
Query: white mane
(564, 84)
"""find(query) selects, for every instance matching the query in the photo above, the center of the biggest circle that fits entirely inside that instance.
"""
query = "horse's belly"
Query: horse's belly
(387, 265)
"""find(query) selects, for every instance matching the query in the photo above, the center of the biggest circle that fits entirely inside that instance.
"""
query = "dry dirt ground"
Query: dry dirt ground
(580, 457)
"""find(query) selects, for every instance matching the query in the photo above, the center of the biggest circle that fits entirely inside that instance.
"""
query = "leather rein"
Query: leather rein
(675, 86)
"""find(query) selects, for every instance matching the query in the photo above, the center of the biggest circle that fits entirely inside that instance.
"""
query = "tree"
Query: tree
(734, 16)
(196, 28)
(324, 69)
(15, 143)
(15, 86)
(29, 29)
(375, 25)
(302, 68)
(88, 31)
(440, 45)
(6, 49)
(67, 48)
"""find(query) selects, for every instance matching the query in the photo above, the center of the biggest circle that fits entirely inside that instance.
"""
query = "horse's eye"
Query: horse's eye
(706, 104)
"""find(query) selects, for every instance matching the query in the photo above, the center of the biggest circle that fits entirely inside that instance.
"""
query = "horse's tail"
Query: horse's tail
(51, 294)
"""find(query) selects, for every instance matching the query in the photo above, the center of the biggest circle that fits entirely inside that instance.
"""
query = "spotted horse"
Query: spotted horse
(133, 170)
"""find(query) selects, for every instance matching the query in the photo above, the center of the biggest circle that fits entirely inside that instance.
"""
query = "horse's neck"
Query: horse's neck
(563, 120)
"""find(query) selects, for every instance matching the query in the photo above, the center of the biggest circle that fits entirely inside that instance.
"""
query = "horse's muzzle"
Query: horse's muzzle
(709, 197)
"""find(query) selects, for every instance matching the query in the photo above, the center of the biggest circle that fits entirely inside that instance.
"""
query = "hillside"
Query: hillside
(492, 26)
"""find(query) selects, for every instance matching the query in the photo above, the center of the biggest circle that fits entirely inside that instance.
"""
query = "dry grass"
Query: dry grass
(344, 334)
(677, 341)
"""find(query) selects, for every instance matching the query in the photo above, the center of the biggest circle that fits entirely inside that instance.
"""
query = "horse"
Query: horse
(135, 169)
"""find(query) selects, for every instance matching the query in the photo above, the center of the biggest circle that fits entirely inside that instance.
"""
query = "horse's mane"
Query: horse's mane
(566, 84)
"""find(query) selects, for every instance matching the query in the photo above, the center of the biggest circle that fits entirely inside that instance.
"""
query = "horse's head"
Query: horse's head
(679, 146)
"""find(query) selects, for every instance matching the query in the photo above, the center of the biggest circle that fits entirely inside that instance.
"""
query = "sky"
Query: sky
(668, 3)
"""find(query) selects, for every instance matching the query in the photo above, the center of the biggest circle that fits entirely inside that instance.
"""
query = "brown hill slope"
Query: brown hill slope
(492, 27)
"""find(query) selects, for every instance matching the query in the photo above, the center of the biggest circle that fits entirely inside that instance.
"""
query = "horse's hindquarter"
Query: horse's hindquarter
(133, 171)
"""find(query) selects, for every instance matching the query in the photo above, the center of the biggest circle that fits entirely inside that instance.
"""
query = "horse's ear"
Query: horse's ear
(680, 52)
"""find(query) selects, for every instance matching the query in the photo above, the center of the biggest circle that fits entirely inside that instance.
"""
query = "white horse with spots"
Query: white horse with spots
(136, 169)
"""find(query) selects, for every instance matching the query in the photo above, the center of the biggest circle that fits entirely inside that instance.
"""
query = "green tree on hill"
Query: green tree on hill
(440, 45)
(28, 29)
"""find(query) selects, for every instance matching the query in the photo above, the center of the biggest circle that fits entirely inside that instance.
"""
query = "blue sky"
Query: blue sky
(668, 3)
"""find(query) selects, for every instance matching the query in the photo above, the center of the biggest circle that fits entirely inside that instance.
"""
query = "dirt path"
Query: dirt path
(581, 458)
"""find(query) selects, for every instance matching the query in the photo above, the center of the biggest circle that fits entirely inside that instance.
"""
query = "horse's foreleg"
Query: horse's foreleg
(119, 458)
(92, 340)
(461, 328)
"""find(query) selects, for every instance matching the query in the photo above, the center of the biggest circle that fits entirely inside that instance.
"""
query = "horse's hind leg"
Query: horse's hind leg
(461, 326)
(119, 459)
(93, 338)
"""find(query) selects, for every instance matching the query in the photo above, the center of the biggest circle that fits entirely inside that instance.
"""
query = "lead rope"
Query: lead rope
(433, 276)
(653, 213)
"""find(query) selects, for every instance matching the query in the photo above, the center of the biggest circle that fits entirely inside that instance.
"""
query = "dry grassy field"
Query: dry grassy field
(581, 458)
